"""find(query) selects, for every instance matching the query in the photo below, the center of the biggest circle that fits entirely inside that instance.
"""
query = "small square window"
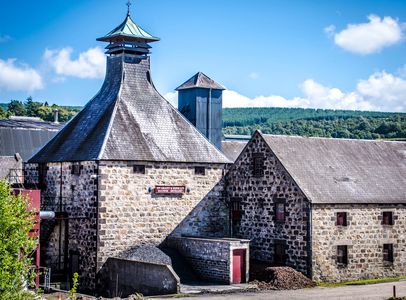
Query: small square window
(139, 169)
(342, 255)
(280, 210)
(76, 169)
(388, 253)
(258, 165)
(341, 219)
(200, 171)
(387, 218)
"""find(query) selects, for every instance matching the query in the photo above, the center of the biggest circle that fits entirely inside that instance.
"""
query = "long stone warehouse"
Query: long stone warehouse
(130, 170)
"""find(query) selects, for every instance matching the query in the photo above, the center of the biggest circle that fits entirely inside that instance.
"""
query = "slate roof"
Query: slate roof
(200, 80)
(129, 120)
(129, 31)
(344, 171)
(232, 149)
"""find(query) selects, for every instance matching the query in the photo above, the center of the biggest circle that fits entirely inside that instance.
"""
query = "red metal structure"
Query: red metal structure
(34, 198)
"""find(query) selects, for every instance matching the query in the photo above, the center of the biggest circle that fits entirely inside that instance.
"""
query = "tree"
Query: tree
(2, 113)
(15, 243)
(17, 108)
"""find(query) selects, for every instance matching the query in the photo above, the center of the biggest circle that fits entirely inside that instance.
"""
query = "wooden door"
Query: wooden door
(239, 266)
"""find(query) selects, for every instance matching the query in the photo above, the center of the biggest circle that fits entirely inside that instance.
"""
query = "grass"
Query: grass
(360, 282)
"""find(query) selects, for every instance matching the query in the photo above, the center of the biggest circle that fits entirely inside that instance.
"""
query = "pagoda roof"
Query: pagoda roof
(128, 120)
(200, 80)
(129, 31)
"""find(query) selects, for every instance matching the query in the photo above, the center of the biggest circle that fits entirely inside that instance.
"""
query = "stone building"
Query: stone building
(333, 209)
(125, 171)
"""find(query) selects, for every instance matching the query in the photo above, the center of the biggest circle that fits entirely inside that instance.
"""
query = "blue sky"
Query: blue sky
(322, 54)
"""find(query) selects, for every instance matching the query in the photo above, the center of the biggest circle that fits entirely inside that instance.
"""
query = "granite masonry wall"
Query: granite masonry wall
(257, 196)
(74, 198)
(210, 259)
(131, 214)
(364, 235)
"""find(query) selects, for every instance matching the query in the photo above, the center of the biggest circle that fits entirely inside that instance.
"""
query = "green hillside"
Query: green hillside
(315, 122)
(244, 121)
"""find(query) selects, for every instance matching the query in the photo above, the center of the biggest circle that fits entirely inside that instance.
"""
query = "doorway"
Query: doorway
(239, 266)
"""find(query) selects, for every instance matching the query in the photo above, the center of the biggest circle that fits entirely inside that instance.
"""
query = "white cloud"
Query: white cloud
(172, 97)
(89, 64)
(367, 38)
(15, 77)
(382, 91)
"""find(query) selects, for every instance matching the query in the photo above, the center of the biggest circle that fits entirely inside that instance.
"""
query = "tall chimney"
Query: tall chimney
(56, 116)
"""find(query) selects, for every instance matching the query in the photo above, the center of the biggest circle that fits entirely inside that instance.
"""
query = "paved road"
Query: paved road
(362, 292)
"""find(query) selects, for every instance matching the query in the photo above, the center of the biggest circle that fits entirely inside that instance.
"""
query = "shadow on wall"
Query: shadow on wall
(209, 218)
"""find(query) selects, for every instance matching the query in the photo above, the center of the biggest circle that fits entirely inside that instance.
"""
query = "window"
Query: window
(279, 253)
(42, 175)
(342, 255)
(388, 253)
(280, 210)
(341, 219)
(76, 169)
(236, 209)
(387, 218)
(200, 171)
(258, 164)
(139, 169)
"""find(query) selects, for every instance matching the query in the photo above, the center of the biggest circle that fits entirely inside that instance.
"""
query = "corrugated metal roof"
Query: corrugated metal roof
(130, 31)
(29, 123)
(200, 80)
(129, 120)
(232, 149)
(26, 142)
(344, 171)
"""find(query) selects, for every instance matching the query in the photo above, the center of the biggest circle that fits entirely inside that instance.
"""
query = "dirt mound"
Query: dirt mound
(279, 278)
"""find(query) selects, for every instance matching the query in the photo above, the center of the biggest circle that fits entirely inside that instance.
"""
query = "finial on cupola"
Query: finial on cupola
(128, 38)
(128, 8)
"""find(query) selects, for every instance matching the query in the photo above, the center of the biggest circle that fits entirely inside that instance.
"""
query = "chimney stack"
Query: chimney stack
(56, 116)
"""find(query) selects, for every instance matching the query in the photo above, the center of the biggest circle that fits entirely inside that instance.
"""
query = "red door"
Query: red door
(238, 266)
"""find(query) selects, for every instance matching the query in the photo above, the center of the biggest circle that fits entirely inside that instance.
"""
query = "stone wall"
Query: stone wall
(130, 214)
(74, 199)
(364, 235)
(211, 259)
(257, 196)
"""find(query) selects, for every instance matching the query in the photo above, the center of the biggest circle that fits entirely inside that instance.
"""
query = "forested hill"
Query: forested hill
(244, 121)
(315, 122)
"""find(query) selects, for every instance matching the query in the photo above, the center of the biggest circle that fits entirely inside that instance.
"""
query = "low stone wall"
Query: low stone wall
(364, 236)
(211, 259)
(121, 278)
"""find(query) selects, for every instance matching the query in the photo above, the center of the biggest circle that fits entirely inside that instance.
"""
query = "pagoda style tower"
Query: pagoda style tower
(107, 172)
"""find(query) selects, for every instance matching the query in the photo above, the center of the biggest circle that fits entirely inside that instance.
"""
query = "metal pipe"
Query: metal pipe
(47, 215)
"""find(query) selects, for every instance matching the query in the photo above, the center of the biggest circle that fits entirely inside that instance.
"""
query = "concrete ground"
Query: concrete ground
(378, 291)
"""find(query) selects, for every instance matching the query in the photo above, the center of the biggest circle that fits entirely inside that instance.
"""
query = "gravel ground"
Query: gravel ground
(380, 291)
